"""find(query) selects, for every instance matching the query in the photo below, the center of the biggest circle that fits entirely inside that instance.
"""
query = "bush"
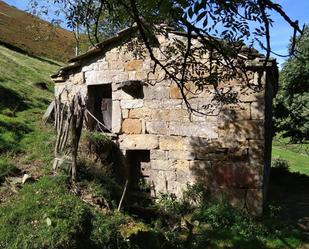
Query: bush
(46, 215)
(281, 164)
(168, 203)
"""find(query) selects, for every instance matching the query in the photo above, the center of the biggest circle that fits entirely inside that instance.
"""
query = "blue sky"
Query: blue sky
(281, 32)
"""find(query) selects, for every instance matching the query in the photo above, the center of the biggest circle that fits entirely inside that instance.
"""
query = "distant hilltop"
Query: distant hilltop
(26, 33)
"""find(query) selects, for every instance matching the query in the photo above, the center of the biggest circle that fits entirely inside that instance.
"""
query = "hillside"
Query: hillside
(33, 35)
(25, 91)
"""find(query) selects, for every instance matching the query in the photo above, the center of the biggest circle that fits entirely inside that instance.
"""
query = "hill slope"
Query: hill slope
(34, 35)
(25, 92)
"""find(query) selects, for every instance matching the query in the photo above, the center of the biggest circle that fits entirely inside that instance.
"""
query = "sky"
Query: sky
(280, 32)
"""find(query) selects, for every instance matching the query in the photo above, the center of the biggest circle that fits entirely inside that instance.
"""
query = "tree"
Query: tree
(222, 26)
(292, 104)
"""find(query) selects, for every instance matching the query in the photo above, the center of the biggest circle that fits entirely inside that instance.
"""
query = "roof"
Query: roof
(250, 54)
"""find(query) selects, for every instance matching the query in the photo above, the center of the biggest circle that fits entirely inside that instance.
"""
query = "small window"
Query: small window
(100, 105)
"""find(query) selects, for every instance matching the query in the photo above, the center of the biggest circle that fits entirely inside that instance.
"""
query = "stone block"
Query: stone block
(256, 152)
(245, 129)
(122, 95)
(159, 155)
(162, 165)
(163, 104)
(91, 78)
(125, 113)
(170, 115)
(171, 143)
(164, 181)
(121, 76)
(131, 104)
(132, 75)
(184, 176)
(254, 201)
(104, 77)
(78, 78)
(157, 127)
(139, 142)
(118, 65)
(232, 112)
(112, 55)
(140, 113)
(175, 93)
(205, 129)
(181, 155)
(156, 92)
(257, 110)
(116, 117)
(87, 68)
(133, 65)
(180, 164)
(103, 66)
(242, 175)
(247, 94)
(132, 126)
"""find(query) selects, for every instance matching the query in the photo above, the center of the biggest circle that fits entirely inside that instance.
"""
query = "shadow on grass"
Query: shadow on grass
(290, 191)
(12, 100)
(11, 133)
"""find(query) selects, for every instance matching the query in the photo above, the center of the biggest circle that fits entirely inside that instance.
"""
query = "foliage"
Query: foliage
(222, 27)
(280, 164)
(97, 138)
(46, 215)
(296, 154)
(292, 103)
(168, 203)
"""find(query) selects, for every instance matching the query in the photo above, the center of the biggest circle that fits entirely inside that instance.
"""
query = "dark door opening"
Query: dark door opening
(139, 167)
(100, 105)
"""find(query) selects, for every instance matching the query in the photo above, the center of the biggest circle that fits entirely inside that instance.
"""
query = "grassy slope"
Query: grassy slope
(296, 155)
(33, 35)
(27, 144)
(22, 104)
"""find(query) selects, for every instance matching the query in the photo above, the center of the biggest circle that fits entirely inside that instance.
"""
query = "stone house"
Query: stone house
(227, 150)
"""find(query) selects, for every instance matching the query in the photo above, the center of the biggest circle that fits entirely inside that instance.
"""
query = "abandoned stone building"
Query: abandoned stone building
(227, 150)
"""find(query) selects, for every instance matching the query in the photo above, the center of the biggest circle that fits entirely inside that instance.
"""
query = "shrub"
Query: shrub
(168, 203)
(281, 164)
(45, 215)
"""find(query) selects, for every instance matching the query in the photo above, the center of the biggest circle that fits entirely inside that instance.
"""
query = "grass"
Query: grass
(47, 215)
(22, 104)
(296, 154)
(33, 35)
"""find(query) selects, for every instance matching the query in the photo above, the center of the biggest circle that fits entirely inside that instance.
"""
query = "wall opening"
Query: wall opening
(139, 169)
(100, 105)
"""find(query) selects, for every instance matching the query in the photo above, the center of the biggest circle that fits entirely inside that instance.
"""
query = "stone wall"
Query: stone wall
(224, 150)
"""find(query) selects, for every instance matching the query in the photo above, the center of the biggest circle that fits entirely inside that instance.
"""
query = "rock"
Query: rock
(27, 178)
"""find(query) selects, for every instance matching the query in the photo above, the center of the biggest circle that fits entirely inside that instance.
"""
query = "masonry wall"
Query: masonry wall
(224, 150)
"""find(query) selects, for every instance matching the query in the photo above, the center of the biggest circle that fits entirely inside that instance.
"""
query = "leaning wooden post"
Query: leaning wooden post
(77, 108)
